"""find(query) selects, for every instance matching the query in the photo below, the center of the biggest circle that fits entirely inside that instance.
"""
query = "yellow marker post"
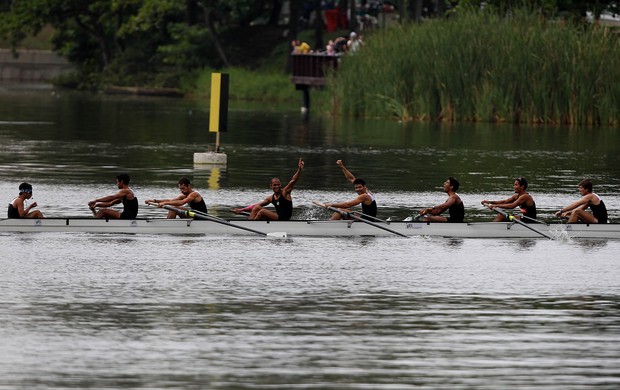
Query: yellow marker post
(218, 120)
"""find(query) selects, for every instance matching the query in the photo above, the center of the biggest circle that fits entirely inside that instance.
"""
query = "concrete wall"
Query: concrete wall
(32, 65)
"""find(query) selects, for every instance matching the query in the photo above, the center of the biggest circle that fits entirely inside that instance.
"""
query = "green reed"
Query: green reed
(250, 85)
(478, 66)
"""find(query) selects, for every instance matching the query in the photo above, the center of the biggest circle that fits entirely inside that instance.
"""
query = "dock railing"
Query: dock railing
(309, 70)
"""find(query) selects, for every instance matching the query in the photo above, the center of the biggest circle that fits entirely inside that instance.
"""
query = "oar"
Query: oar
(534, 220)
(516, 220)
(355, 217)
(366, 216)
(200, 215)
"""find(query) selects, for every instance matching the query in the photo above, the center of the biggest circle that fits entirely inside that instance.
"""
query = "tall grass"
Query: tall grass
(250, 85)
(478, 66)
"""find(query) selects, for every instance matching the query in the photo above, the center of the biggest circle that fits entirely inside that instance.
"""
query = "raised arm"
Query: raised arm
(350, 177)
(291, 184)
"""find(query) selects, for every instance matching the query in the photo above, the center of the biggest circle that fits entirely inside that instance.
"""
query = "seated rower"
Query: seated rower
(364, 197)
(576, 212)
(281, 199)
(521, 199)
(18, 207)
(454, 205)
(188, 197)
(125, 196)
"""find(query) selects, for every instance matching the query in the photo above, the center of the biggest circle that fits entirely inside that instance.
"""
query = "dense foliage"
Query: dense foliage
(167, 43)
(151, 42)
(480, 66)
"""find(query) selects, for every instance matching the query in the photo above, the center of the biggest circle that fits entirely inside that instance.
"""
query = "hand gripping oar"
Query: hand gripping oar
(516, 220)
(207, 217)
(355, 217)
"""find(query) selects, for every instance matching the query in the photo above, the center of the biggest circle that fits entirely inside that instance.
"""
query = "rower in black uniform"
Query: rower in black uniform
(454, 205)
(281, 200)
(188, 199)
(125, 196)
(365, 198)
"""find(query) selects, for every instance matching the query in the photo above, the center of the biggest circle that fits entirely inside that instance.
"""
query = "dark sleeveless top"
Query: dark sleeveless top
(457, 212)
(198, 206)
(130, 208)
(284, 207)
(370, 209)
(599, 211)
(13, 212)
(528, 211)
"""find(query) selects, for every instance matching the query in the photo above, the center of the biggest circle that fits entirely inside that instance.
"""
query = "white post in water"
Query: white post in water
(218, 119)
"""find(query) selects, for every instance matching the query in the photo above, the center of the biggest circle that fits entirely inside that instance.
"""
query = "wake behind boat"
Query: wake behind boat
(310, 228)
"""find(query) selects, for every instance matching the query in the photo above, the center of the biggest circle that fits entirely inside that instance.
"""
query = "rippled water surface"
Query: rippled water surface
(92, 311)
(95, 311)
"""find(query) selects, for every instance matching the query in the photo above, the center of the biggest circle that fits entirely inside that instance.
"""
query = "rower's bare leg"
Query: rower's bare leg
(35, 214)
(265, 215)
(581, 215)
(254, 212)
(499, 218)
(435, 218)
(336, 216)
(108, 213)
(171, 214)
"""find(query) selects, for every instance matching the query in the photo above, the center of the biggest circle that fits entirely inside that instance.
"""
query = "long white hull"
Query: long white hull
(310, 228)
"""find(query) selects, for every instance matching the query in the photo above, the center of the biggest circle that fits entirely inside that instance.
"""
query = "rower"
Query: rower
(521, 199)
(281, 199)
(364, 197)
(124, 195)
(189, 198)
(19, 208)
(453, 204)
(576, 211)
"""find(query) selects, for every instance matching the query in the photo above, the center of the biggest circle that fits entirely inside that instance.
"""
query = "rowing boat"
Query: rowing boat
(310, 228)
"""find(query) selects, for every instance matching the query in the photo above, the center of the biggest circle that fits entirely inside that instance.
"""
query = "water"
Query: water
(160, 312)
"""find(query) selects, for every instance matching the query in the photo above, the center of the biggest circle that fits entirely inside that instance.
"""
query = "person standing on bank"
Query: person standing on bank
(125, 196)
(364, 197)
(453, 204)
(576, 212)
(18, 208)
(521, 199)
(281, 199)
(189, 197)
